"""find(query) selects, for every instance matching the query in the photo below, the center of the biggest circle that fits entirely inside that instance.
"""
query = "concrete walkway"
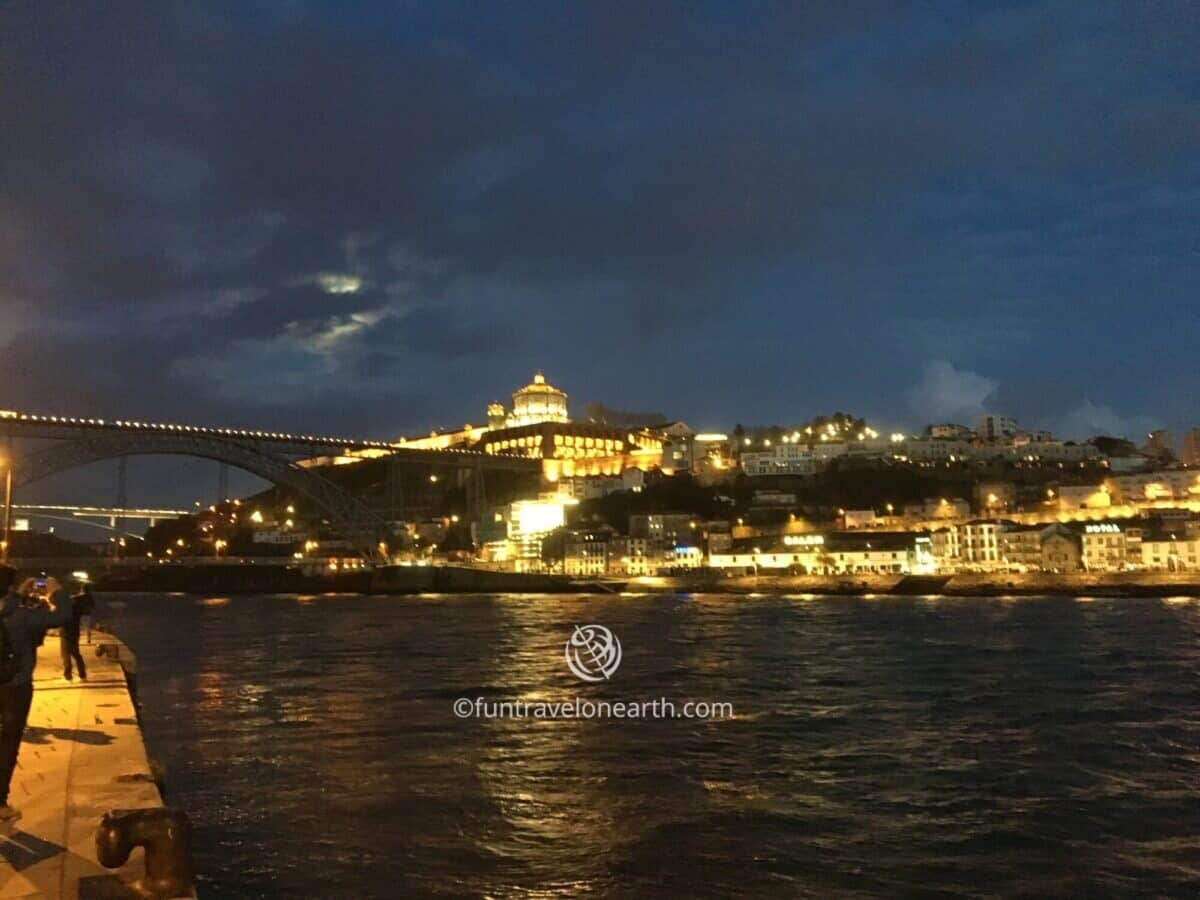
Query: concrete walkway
(82, 756)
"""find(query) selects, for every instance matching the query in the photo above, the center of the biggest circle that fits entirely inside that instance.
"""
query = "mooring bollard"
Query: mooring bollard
(165, 832)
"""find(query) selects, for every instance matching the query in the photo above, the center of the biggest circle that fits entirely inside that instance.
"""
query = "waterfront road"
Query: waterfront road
(82, 756)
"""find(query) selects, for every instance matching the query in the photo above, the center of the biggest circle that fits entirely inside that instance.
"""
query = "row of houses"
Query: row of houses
(1169, 544)
(980, 545)
(795, 458)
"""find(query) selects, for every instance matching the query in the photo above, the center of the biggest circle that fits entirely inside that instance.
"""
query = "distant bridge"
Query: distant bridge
(271, 455)
(98, 512)
(111, 518)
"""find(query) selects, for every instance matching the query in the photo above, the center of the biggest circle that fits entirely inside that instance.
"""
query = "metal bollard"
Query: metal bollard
(165, 832)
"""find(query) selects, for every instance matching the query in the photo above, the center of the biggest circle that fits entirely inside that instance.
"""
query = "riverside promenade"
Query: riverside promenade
(82, 756)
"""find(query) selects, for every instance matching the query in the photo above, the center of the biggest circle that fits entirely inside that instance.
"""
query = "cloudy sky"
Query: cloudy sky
(375, 220)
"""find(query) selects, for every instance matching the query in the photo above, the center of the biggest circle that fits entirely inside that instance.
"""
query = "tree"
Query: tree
(554, 548)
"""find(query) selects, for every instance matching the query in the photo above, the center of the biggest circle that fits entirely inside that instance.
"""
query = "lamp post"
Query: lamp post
(8, 488)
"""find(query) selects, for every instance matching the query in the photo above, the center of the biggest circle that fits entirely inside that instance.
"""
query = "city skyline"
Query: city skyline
(641, 202)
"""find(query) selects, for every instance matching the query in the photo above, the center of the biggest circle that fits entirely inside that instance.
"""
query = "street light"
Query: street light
(8, 489)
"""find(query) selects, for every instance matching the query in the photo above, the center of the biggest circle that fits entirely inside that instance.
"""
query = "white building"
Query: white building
(979, 544)
(1103, 547)
(629, 556)
(1170, 552)
(587, 552)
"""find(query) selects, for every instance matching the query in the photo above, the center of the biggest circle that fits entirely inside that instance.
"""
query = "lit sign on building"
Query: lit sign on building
(804, 540)
(1104, 528)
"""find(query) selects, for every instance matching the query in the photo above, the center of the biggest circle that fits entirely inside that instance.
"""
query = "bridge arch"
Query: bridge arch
(349, 514)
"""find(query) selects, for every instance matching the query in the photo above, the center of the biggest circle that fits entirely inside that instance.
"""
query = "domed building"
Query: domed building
(537, 402)
(538, 426)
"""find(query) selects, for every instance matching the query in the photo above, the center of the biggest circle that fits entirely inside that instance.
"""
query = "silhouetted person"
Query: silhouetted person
(21, 628)
(82, 604)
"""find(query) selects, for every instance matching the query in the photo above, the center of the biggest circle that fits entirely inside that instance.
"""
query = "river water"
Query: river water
(878, 747)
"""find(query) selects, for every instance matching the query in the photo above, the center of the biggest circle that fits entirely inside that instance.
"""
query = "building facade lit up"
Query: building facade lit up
(539, 426)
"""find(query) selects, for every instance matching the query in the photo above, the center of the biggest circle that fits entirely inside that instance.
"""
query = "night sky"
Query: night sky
(375, 221)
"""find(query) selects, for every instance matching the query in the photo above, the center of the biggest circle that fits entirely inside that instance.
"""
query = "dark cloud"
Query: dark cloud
(232, 215)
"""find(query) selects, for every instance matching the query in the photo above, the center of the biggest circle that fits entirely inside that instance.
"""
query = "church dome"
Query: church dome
(538, 401)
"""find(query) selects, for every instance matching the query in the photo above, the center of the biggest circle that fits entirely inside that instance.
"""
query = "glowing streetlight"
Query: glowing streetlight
(8, 491)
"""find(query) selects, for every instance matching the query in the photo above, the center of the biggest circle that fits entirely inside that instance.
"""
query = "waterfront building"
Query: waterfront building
(945, 548)
(629, 556)
(587, 551)
(529, 522)
(979, 544)
(838, 553)
(1021, 547)
(1102, 546)
(1060, 550)
(1044, 548)
(718, 536)
(880, 553)
(795, 553)
(1170, 551)
(683, 557)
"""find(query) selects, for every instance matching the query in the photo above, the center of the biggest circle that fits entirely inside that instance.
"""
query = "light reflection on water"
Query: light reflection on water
(901, 745)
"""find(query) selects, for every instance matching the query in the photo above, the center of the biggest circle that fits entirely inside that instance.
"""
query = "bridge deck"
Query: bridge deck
(82, 756)
(16, 424)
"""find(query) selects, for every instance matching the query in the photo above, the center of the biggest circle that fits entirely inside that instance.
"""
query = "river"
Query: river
(877, 747)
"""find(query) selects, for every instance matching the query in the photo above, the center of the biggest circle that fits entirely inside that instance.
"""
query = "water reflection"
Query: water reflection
(899, 746)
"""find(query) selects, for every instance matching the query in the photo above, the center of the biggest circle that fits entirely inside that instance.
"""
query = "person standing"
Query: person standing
(82, 604)
(21, 627)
